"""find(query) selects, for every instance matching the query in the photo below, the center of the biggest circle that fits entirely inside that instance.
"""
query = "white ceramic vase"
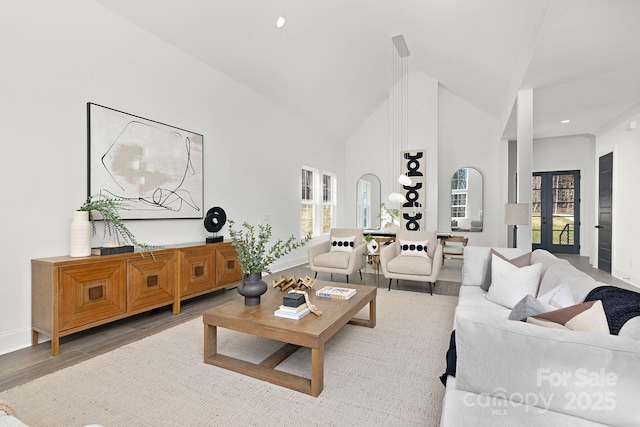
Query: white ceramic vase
(372, 246)
(80, 239)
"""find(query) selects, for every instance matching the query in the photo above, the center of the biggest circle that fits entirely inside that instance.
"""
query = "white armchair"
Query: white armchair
(412, 262)
(343, 253)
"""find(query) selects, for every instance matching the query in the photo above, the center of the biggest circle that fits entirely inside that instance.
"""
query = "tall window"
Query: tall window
(328, 202)
(318, 202)
(307, 214)
(459, 194)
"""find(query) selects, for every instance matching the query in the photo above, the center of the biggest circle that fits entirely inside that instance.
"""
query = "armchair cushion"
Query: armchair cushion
(333, 259)
(342, 244)
(414, 248)
(410, 265)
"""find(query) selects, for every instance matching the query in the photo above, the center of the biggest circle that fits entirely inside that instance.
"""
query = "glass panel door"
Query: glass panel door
(536, 210)
(555, 221)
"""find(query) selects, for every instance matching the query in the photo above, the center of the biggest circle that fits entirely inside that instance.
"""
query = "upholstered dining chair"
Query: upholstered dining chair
(343, 253)
(408, 259)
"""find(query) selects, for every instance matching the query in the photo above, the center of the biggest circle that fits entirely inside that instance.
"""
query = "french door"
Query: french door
(555, 213)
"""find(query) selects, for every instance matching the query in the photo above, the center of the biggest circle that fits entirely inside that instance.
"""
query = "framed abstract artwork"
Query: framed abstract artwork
(413, 210)
(156, 168)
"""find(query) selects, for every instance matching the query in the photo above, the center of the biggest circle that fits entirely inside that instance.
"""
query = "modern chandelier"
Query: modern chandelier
(399, 112)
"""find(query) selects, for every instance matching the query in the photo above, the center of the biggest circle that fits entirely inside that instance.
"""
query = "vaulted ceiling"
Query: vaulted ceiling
(332, 64)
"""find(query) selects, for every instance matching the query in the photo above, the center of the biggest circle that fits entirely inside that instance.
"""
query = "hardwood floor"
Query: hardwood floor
(30, 363)
(582, 264)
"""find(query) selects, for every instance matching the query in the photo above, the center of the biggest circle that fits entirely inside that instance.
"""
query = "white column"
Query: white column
(525, 160)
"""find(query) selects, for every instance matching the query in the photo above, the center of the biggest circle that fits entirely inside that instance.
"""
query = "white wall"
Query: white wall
(367, 149)
(365, 152)
(57, 56)
(625, 145)
(470, 138)
(455, 134)
(424, 134)
(572, 153)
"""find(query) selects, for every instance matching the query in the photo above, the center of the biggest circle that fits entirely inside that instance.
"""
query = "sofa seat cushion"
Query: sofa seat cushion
(410, 265)
(475, 299)
(469, 409)
(333, 259)
(555, 365)
(472, 299)
(491, 309)
(631, 329)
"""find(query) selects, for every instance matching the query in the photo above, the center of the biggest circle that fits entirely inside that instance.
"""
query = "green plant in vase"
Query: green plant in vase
(256, 255)
(108, 208)
(389, 217)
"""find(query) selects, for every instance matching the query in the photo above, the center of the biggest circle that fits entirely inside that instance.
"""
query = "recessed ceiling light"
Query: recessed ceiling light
(564, 122)
(281, 21)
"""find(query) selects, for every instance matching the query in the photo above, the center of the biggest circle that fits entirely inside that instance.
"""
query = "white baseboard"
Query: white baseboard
(289, 263)
(16, 340)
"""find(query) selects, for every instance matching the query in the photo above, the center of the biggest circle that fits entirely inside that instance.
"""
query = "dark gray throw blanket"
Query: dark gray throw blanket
(619, 305)
(451, 359)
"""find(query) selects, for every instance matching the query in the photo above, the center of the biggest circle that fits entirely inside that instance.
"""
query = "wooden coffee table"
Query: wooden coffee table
(310, 331)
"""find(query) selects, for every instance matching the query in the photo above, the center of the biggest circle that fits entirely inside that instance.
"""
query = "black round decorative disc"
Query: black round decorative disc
(215, 219)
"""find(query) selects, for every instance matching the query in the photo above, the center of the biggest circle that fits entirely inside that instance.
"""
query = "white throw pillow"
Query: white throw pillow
(414, 248)
(559, 297)
(509, 284)
(343, 244)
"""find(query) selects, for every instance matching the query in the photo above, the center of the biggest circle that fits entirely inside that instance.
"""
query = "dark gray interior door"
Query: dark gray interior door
(605, 192)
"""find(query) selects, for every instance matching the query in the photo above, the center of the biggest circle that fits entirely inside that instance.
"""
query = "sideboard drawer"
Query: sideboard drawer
(151, 282)
(90, 295)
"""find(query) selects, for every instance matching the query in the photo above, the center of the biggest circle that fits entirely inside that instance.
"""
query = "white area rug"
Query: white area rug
(383, 376)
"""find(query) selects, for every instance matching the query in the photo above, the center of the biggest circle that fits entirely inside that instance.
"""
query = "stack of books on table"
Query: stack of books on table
(295, 313)
(335, 292)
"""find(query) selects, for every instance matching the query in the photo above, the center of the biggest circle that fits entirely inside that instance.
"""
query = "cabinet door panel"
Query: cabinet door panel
(91, 294)
(228, 269)
(197, 270)
(151, 282)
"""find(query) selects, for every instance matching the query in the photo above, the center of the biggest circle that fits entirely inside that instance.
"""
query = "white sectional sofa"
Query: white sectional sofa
(514, 373)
